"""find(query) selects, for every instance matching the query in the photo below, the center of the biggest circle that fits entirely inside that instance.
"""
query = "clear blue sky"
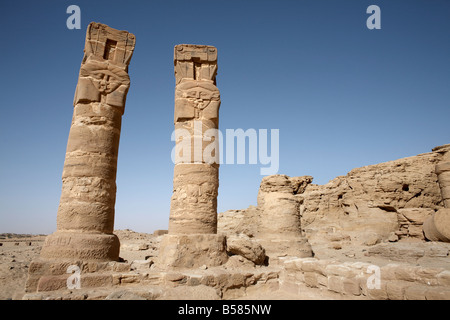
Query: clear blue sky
(342, 96)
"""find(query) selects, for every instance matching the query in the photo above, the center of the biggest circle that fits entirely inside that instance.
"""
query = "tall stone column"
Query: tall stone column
(85, 219)
(192, 239)
(437, 226)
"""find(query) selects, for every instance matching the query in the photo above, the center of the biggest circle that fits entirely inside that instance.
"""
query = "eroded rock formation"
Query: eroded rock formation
(375, 201)
(371, 204)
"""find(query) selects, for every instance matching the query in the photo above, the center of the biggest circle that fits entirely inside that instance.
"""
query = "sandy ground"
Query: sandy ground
(15, 258)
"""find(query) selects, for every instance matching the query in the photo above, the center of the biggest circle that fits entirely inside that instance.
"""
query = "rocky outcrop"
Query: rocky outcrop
(371, 204)
(370, 200)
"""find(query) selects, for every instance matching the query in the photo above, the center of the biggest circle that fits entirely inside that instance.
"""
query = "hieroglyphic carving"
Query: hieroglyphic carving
(198, 100)
(102, 82)
(192, 240)
(197, 103)
(85, 219)
(104, 69)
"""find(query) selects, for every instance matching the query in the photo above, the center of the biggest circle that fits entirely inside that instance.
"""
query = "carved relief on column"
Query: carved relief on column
(85, 219)
(100, 81)
(197, 103)
(89, 189)
(192, 239)
(195, 62)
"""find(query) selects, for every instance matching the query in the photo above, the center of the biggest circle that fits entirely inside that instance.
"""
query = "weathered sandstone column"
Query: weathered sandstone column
(279, 202)
(443, 174)
(192, 239)
(85, 219)
(437, 226)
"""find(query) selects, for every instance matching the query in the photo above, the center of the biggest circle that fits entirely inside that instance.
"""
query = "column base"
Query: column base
(53, 274)
(81, 246)
(95, 255)
(192, 250)
(287, 247)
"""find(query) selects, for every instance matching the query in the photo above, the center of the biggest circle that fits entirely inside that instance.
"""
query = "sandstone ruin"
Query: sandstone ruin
(379, 232)
(437, 226)
(279, 229)
(85, 219)
(193, 240)
(364, 224)
(369, 205)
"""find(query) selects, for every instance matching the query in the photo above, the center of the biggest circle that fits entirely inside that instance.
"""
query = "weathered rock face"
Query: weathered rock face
(85, 219)
(243, 221)
(193, 207)
(368, 205)
(368, 200)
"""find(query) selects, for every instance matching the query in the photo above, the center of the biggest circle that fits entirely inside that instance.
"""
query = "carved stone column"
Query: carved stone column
(85, 219)
(437, 226)
(192, 239)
